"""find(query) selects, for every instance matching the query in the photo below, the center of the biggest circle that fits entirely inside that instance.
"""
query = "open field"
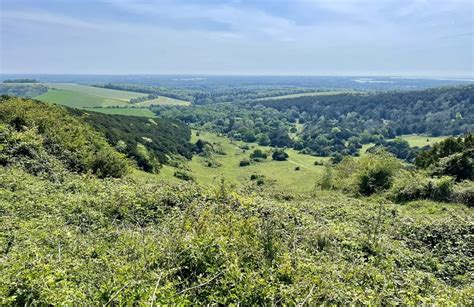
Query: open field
(85, 96)
(79, 100)
(164, 101)
(97, 91)
(124, 111)
(280, 173)
(412, 139)
(421, 140)
(303, 94)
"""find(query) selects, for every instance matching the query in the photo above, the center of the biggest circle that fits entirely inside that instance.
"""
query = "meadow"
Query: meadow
(281, 174)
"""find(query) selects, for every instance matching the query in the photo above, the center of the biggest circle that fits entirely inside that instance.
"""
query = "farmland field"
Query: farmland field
(79, 100)
(97, 91)
(163, 101)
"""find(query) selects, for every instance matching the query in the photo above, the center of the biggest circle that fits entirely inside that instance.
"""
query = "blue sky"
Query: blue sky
(269, 37)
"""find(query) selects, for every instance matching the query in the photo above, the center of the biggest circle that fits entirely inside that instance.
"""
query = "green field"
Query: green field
(413, 140)
(303, 94)
(84, 96)
(421, 140)
(79, 100)
(282, 174)
(164, 101)
(96, 91)
(124, 111)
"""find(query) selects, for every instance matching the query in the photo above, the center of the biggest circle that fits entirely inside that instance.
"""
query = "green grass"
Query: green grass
(84, 96)
(412, 139)
(421, 140)
(79, 100)
(282, 174)
(124, 111)
(164, 101)
(303, 94)
(96, 91)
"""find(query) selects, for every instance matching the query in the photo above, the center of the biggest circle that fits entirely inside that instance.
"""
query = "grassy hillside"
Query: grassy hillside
(281, 174)
(150, 142)
(139, 241)
(72, 234)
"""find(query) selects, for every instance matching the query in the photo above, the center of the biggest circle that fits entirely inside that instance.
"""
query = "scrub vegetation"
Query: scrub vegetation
(85, 219)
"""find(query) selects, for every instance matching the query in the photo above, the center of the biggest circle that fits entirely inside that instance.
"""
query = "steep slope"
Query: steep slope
(150, 142)
(46, 138)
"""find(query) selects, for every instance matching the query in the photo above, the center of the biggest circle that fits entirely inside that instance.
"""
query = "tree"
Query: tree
(258, 154)
(279, 155)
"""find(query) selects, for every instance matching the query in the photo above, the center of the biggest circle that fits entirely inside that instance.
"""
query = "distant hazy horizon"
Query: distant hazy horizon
(5, 75)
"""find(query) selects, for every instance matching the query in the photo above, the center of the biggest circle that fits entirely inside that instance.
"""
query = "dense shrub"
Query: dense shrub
(40, 131)
(244, 162)
(180, 174)
(258, 154)
(367, 175)
(279, 155)
(107, 164)
(137, 241)
(452, 157)
(161, 138)
(464, 193)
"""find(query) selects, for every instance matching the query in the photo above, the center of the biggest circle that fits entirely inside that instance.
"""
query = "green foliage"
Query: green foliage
(35, 131)
(136, 241)
(367, 175)
(279, 155)
(183, 175)
(464, 193)
(22, 90)
(244, 162)
(258, 154)
(452, 157)
(150, 142)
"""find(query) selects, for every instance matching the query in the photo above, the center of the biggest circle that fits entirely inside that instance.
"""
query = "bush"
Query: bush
(108, 164)
(464, 193)
(412, 185)
(440, 189)
(279, 155)
(258, 154)
(367, 175)
(244, 162)
(183, 175)
(408, 186)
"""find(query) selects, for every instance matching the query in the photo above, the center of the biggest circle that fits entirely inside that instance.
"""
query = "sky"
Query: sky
(232, 37)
